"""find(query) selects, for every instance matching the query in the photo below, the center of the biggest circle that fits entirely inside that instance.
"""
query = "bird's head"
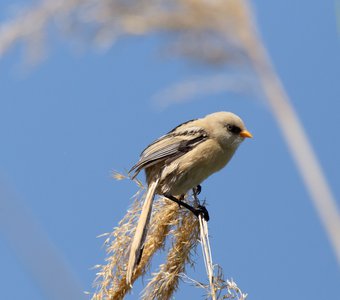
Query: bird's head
(227, 128)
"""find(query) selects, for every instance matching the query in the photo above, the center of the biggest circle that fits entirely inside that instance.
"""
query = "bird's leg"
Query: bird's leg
(200, 210)
(196, 191)
(179, 202)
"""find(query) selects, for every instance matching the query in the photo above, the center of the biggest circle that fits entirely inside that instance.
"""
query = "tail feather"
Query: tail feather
(137, 244)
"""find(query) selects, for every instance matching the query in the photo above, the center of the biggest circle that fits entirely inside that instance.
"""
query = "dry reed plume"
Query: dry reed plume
(169, 222)
(111, 280)
(184, 240)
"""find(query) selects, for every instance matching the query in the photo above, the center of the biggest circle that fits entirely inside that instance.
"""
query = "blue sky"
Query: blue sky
(68, 122)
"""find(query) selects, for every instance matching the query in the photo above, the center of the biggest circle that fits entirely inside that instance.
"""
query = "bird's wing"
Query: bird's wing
(170, 146)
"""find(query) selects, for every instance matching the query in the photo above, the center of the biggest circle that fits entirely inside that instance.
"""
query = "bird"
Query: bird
(180, 161)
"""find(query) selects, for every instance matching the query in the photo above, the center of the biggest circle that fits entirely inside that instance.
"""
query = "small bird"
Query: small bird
(180, 161)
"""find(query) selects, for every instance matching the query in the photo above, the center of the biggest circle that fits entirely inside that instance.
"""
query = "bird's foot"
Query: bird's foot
(201, 210)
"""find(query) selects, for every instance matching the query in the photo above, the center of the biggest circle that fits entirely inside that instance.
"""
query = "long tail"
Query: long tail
(141, 231)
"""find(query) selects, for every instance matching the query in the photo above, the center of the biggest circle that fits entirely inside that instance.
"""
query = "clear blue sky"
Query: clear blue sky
(66, 123)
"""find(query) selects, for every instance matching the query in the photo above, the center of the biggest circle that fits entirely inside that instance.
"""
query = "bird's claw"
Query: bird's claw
(201, 210)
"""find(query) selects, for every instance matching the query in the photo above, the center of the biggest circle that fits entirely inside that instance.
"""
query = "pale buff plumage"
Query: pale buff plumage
(181, 160)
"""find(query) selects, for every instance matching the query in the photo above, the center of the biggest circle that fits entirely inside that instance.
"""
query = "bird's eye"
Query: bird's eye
(233, 129)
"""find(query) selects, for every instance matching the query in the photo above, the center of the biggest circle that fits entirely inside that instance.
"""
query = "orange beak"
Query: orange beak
(246, 134)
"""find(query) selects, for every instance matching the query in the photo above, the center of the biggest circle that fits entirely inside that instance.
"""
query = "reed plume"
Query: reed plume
(111, 278)
(172, 229)
(184, 240)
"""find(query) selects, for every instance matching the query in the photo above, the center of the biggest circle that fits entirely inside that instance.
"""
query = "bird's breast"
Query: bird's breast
(194, 167)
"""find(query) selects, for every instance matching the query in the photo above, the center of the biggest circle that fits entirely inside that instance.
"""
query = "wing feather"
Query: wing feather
(169, 147)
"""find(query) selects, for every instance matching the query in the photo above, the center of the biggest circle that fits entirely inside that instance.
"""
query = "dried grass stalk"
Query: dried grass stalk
(227, 289)
(184, 240)
(204, 233)
(224, 289)
(111, 279)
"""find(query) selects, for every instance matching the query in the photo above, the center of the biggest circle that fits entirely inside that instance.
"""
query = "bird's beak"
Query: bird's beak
(246, 134)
